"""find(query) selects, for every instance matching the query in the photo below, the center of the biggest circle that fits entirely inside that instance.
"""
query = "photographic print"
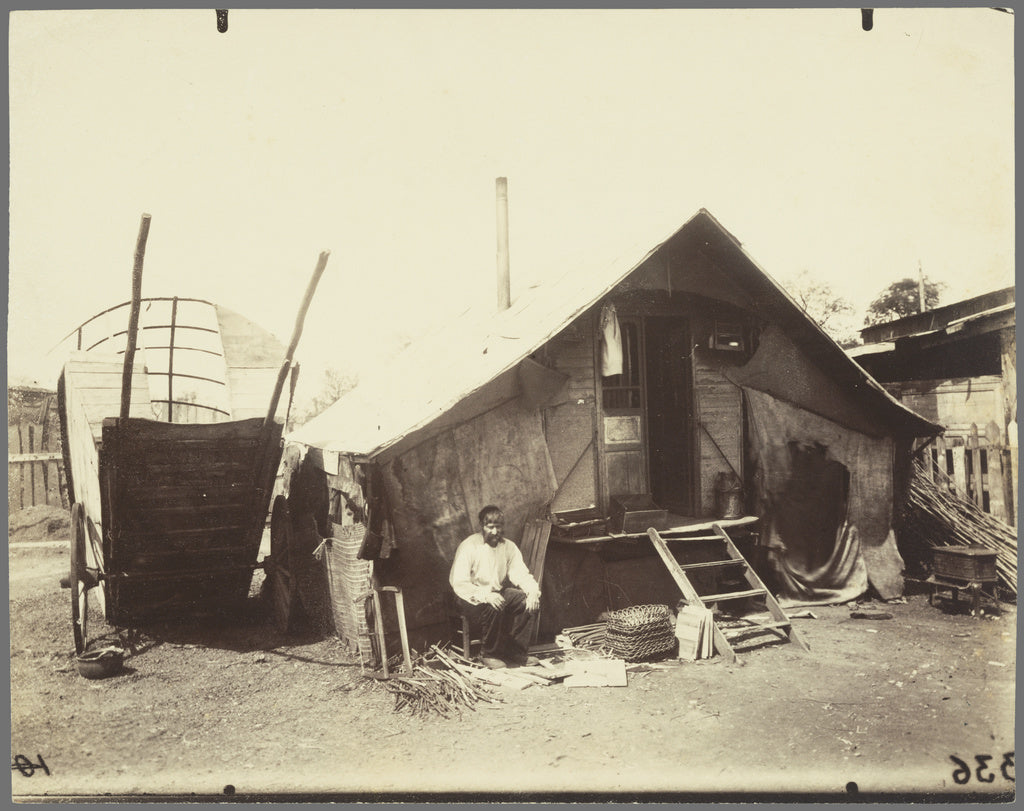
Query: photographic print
(512, 405)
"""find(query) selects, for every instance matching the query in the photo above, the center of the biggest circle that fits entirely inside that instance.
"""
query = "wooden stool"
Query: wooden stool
(400, 611)
(460, 624)
(975, 590)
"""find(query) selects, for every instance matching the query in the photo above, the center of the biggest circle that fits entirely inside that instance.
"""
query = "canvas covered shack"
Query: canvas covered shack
(663, 374)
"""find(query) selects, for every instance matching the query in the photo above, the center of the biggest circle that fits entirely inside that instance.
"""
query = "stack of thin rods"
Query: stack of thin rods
(591, 636)
(938, 515)
(437, 685)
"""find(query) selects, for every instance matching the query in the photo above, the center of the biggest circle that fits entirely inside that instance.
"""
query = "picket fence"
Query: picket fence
(980, 466)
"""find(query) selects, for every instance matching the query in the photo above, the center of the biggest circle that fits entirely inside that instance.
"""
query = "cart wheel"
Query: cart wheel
(80, 579)
(281, 582)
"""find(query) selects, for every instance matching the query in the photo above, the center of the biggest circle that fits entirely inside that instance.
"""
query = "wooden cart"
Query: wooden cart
(170, 498)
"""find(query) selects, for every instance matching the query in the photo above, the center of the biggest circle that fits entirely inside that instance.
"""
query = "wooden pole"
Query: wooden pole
(976, 487)
(920, 287)
(170, 361)
(504, 284)
(318, 271)
(133, 320)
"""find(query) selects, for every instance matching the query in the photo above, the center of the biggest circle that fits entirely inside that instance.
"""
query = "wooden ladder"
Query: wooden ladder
(780, 623)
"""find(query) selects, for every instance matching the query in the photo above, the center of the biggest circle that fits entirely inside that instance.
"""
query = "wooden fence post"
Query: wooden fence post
(976, 484)
(960, 468)
(997, 501)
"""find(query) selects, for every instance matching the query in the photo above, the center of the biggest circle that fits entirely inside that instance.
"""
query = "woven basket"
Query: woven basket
(640, 631)
(349, 580)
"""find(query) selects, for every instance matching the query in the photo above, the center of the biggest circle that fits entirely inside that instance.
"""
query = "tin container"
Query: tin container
(975, 563)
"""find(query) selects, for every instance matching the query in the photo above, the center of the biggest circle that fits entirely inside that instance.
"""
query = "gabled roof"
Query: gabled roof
(461, 356)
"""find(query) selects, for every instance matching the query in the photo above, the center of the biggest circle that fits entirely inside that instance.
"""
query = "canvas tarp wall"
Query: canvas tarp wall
(825, 487)
(436, 489)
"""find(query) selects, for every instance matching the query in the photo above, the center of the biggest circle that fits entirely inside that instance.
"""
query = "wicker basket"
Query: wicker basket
(640, 632)
(349, 580)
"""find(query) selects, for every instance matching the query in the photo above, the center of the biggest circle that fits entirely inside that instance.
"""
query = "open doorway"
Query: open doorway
(670, 435)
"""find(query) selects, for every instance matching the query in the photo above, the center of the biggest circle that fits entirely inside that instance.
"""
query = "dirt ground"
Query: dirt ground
(877, 707)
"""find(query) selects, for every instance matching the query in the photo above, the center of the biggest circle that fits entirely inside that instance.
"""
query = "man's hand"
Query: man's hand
(494, 599)
(533, 601)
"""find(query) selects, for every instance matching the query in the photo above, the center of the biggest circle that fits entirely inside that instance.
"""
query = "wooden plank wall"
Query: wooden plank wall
(95, 378)
(569, 427)
(719, 429)
(84, 457)
(954, 404)
(93, 385)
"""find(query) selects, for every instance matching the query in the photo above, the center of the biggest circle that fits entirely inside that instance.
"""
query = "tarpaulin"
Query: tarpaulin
(825, 495)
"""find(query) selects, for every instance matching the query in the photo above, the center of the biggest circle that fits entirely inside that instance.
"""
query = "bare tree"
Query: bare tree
(834, 314)
(335, 384)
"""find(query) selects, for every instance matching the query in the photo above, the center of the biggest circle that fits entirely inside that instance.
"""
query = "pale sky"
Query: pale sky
(378, 135)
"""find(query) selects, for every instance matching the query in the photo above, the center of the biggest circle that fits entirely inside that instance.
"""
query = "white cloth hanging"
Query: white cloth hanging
(611, 341)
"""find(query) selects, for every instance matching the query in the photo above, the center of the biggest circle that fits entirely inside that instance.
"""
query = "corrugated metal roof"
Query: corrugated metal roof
(462, 355)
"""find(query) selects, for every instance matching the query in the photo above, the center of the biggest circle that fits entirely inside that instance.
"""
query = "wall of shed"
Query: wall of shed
(719, 415)
(1008, 361)
(955, 404)
(569, 426)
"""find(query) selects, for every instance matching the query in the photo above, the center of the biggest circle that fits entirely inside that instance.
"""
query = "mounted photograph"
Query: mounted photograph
(495, 405)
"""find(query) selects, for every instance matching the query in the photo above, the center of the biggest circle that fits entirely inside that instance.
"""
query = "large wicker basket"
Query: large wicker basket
(349, 580)
(640, 632)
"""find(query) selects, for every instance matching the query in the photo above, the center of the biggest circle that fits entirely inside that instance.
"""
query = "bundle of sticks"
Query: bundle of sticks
(590, 636)
(939, 516)
(436, 685)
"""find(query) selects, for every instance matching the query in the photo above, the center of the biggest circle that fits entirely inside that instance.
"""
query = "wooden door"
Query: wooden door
(624, 430)
(670, 427)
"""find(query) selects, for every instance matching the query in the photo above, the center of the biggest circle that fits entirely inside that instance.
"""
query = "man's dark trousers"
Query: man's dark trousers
(505, 631)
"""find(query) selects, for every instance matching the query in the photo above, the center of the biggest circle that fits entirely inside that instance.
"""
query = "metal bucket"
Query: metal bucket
(728, 496)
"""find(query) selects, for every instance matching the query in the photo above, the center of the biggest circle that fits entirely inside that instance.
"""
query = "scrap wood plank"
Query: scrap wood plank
(509, 678)
(547, 675)
(536, 535)
(549, 672)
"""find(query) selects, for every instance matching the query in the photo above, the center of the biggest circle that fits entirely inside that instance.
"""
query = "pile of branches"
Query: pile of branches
(937, 515)
(438, 685)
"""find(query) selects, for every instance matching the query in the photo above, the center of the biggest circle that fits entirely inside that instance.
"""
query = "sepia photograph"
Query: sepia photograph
(491, 405)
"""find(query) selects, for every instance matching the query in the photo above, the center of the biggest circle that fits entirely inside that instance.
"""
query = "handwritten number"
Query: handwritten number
(983, 766)
(962, 772)
(26, 768)
(1008, 764)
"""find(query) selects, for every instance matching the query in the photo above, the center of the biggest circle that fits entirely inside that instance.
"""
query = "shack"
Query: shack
(957, 366)
(680, 380)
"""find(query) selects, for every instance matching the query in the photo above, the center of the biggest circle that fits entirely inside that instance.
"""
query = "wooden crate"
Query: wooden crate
(636, 513)
(585, 523)
(965, 563)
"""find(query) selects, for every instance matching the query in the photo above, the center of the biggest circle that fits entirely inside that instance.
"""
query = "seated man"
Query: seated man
(496, 591)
